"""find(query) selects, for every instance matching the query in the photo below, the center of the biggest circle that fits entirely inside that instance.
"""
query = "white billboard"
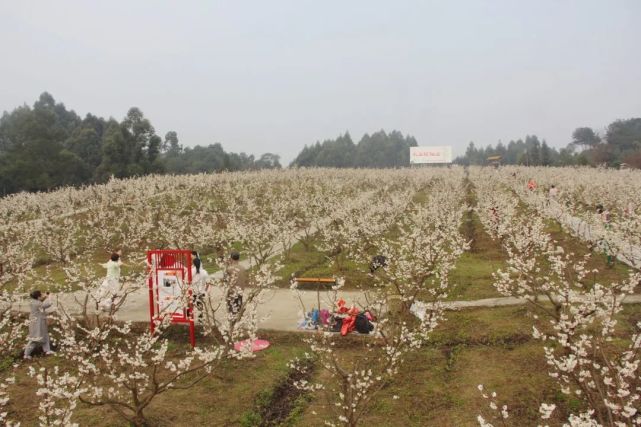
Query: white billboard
(430, 154)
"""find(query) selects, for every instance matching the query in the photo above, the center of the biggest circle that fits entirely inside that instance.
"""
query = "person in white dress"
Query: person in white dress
(199, 285)
(110, 292)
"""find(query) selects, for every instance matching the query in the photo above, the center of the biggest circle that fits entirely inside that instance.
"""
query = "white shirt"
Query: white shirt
(199, 280)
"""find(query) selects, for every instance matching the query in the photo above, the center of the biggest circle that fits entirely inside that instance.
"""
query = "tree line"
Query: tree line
(48, 146)
(379, 150)
(619, 145)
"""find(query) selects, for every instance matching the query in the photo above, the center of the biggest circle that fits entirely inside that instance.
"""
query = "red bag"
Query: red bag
(349, 323)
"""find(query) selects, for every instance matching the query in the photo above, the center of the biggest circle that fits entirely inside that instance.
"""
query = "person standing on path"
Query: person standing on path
(195, 256)
(38, 332)
(604, 243)
(553, 193)
(235, 279)
(109, 292)
(198, 284)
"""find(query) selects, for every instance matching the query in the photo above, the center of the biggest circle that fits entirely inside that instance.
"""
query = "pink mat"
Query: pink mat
(257, 345)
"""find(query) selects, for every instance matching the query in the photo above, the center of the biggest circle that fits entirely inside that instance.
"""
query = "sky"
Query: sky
(272, 76)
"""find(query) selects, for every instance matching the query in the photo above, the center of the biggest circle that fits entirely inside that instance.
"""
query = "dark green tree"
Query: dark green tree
(307, 157)
(86, 143)
(471, 154)
(585, 137)
(47, 146)
(268, 161)
(139, 133)
(624, 136)
(337, 153)
(116, 153)
(533, 150)
(546, 154)
(33, 156)
(170, 144)
(381, 150)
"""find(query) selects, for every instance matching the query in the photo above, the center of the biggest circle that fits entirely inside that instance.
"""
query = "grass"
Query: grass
(220, 400)
(281, 405)
(437, 385)
(56, 277)
(487, 326)
(445, 391)
(312, 262)
(574, 245)
(472, 277)
(570, 244)
(223, 402)
(300, 260)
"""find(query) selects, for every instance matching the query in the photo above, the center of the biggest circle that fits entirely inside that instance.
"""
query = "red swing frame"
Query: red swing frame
(178, 261)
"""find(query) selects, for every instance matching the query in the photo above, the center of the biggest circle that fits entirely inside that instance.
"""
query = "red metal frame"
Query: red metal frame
(170, 260)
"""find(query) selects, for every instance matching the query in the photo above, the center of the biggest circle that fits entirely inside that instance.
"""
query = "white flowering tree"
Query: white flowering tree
(52, 241)
(576, 319)
(419, 252)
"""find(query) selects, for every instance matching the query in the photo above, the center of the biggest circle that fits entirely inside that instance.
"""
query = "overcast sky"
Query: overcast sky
(272, 76)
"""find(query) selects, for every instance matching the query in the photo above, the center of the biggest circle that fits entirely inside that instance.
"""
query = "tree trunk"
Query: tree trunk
(139, 420)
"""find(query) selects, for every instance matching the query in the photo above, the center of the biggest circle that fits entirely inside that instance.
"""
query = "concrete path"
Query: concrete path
(281, 308)
(507, 301)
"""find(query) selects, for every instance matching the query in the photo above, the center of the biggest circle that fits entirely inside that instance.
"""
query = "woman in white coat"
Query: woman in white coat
(38, 332)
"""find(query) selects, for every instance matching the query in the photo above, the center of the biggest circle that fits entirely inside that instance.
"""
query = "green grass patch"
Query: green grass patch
(472, 276)
(312, 262)
(220, 399)
(598, 260)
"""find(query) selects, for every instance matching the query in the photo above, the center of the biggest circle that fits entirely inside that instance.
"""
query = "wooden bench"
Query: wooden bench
(315, 283)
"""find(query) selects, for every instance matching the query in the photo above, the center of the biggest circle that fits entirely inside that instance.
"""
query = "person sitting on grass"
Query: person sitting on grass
(38, 332)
